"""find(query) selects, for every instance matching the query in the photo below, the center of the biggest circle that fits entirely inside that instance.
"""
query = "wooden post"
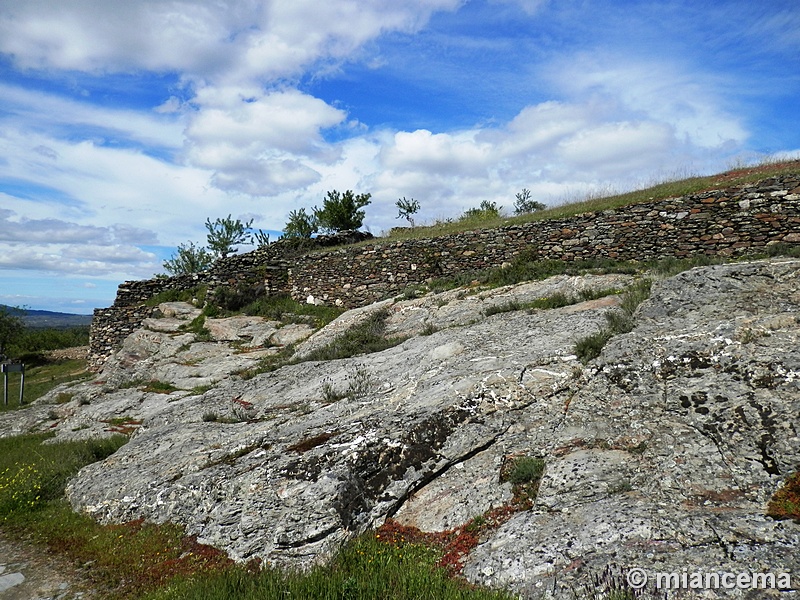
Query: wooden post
(7, 368)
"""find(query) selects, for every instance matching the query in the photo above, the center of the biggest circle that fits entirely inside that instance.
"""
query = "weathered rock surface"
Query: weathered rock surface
(672, 443)
(661, 454)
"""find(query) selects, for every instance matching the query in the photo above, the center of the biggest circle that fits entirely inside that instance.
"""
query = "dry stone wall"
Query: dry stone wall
(721, 222)
(265, 269)
(725, 222)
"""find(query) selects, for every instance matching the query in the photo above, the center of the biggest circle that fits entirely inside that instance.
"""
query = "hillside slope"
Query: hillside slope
(660, 454)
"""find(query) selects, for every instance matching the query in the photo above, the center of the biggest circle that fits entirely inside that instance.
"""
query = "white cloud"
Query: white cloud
(209, 40)
(240, 138)
(442, 154)
(113, 262)
(256, 143)
(622, 144)
(692, 102)
(37, 111)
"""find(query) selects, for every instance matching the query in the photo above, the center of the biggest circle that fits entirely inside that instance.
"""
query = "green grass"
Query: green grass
(557, 300)
(527, 267)
(592, 202)
(159, 387)
(159, 562)
(179, 295)
(618, 321)
(284, 308)
(364, 338)
(126, 559)
(42, 378)
(366, 568)
(33, 473)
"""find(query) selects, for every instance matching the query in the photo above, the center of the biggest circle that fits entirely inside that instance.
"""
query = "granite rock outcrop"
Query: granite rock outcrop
(661, 454)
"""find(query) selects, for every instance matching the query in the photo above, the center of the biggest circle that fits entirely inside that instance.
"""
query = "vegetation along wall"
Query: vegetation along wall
(725, 222)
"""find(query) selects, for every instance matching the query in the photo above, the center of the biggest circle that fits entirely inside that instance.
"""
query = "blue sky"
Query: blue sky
(123, 126)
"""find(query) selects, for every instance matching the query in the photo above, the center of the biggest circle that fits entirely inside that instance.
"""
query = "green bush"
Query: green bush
(42, 340)
(619, 321)
(526, 469)
(341, 211)
(197, 293)
(300, 225)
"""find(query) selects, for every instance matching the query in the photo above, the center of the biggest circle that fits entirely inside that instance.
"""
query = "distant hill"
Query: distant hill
(47, 319)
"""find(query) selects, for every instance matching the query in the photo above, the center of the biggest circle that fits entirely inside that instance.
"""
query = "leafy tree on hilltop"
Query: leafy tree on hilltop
(341, 212)
(189, 259)
(224, 234)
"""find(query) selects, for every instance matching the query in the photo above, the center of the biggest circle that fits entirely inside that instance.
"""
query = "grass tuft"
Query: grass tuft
(364, 338)
(364, 569)
(619, 321)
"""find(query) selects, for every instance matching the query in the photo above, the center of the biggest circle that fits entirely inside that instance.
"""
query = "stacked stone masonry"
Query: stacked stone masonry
(726, 222)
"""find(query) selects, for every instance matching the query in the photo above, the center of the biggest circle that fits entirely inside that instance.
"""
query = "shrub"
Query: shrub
(341, 212)
(300, 225)
(526, 469)
(224, 234)
(407, 209)
(523, 204)
(487, 211)
(188, 258)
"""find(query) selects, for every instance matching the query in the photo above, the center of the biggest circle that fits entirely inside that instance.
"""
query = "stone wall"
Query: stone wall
(265, 268)
(726, 222)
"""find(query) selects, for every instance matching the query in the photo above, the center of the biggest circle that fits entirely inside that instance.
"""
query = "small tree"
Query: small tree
(11, 327)
(407, 209)
(300, 225)
(224, 234)
(260, 238)
(189, 259)
(341, 212)
(523, 204)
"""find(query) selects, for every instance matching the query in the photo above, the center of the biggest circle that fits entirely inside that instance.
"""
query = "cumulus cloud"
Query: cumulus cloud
(256, 142)
(444, 154)
(57, 231)
(206, 39)
(60, 246)
(239, 129)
